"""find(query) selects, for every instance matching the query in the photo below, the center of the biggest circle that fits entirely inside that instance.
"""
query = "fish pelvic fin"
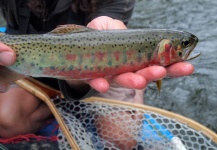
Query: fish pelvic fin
(8, 77)
(69, 28)
(159, 85)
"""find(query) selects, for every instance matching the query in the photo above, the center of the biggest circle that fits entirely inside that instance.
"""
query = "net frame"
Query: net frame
(184, 120)
(46, 94)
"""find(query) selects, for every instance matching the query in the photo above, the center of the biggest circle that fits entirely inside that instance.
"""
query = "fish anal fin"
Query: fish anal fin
(69, 28)
(8, 77)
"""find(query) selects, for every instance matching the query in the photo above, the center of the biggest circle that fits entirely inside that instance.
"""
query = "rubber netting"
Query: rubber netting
(103, 126)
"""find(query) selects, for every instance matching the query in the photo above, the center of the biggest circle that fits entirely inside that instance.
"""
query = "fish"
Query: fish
(74, 52)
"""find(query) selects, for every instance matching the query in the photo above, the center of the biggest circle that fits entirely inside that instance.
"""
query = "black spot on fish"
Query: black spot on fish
(40, 68)
(149, 55)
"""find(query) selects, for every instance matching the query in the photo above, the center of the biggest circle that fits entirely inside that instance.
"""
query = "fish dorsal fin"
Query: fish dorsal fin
(69, 28)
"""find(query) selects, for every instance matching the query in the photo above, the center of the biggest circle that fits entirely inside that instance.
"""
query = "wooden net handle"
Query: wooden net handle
(46, 93)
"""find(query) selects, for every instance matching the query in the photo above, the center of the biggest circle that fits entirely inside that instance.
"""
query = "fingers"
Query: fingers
(138, 80)
(141, 78)
(153, 73)
(180, 69)
(129, 80)
(104, 22)
(7, 55)
(99, 84)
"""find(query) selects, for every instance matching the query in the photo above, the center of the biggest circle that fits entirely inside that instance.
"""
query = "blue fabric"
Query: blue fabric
(49, 129)
(2, 29)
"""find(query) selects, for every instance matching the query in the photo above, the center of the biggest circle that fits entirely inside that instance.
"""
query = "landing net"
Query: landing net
(103, 125)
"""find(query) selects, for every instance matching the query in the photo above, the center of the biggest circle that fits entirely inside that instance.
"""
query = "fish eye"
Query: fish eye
(185, 43)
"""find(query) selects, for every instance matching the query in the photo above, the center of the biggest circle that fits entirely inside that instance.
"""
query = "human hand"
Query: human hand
(7, 55)
(141, 78)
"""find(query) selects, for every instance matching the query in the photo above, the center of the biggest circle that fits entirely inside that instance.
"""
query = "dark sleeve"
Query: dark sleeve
(71, 94)
(116, 9)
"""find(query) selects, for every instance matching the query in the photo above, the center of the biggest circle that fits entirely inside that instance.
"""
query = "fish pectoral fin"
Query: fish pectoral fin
(69, 28)
(159, 85)
(8, 77)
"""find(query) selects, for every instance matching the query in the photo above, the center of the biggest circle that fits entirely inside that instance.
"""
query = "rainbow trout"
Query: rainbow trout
(78, 52)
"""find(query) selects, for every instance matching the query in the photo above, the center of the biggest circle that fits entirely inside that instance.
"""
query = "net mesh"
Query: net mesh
(103, 126)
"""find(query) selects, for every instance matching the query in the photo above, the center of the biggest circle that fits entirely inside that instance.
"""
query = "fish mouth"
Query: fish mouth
(188, 51)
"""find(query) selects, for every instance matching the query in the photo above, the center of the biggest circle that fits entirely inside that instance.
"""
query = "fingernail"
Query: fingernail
(6, 58)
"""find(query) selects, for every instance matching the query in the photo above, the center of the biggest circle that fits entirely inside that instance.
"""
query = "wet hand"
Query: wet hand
(7, 55)
(141, 78)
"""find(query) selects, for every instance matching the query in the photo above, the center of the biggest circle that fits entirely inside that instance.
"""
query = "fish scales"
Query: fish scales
(93, 53)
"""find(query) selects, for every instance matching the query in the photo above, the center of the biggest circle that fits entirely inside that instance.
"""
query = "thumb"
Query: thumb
(7, 55)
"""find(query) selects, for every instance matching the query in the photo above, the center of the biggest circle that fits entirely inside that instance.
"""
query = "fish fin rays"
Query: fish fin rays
(70, 28)
(8, 77)
(159, 85)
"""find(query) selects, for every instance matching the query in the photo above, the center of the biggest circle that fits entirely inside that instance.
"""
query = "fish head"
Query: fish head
(177, 49)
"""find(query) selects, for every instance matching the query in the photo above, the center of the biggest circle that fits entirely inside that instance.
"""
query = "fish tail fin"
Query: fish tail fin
(8, 77)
